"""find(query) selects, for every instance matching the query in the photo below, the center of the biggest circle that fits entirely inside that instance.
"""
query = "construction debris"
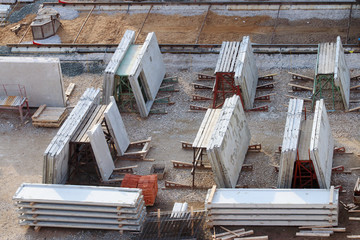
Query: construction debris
(272, 207)
(70, 206)
(229, 143)
(40, 76)
(134, 73)
(49, 116)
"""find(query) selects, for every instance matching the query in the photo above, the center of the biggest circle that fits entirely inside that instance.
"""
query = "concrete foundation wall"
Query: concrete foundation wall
(342, 73)
(322, 145)
(229, 143)
(41, 77)
(246, 73)
(151, 68)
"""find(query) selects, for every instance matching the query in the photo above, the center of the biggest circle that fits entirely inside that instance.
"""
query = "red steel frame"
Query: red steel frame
(225, 87)
(304, 174)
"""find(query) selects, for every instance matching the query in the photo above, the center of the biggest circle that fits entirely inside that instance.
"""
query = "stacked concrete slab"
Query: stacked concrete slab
(89, 207)
(331, 61)
(41, 77)
(322, 145)
(272, 207)
(7, 1)
(56, 156)
(229, 142)
(290, 143)
(246, 73)
(4, 11)
(139, 63)
(111, 68)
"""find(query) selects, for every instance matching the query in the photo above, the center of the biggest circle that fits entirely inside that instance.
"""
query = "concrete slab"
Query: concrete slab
(342, 73)
(116, 127)
(101, 151)
(41, 77)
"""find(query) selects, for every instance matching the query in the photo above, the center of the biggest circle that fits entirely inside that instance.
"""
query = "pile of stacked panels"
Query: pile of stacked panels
(272, 207)
(57, 153)
(89, 207)
(4, 11)
(147, 183)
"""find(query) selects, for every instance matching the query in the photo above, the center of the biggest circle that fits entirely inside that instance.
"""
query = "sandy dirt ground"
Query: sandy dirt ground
(178, 29)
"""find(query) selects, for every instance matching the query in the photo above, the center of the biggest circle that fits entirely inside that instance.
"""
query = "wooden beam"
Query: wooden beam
(202, 25)
(354, 218)
(142, 25)
(330, 229)
(253, 238)
(300, 77)
(211, 195)
(70, 89)
(300, 86)
(82, 26)
(312, 234)
(353, 236)
(39, 111)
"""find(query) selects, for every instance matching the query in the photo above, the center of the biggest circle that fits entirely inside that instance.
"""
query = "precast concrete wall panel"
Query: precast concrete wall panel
(342, 73)
(326, 58)
(111, 68)
(322, 145)
(41, 77)
(229, 143)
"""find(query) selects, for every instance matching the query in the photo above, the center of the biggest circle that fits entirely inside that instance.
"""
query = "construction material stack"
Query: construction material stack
(229, 143)
(89, 207)
(56, 155)
(272, 207)
(147, 183)
(4, 11)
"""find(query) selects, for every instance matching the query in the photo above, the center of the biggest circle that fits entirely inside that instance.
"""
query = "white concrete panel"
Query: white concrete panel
(326, 58)
(151, 68)
(322, 145)
(101, 151)
(229, 143)
(342, 73)
(116, 127)
(41, 77)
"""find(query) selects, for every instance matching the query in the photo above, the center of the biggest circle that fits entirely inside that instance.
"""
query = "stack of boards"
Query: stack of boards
(88, 207)
(49, 116)
(272, 207)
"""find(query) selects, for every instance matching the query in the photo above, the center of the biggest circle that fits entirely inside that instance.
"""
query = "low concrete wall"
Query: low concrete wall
(41, 77)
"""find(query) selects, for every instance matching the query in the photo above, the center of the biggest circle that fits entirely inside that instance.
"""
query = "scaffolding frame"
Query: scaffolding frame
(321, 84)
(304, 174)
(225, 87)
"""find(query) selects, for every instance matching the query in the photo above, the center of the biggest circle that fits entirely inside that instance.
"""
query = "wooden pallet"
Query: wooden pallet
(49, 116)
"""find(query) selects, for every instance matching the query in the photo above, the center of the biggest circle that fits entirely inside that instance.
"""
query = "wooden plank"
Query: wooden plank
(353, 236)
(253, 238)
(227, 233)
(355, 87)
(301, 76)
(39, 111)
(329, 229)
(211, 195)
(312, 234)
(300, 86)
(354, 218)
(305, 99)
(331, 198)
(69, 89)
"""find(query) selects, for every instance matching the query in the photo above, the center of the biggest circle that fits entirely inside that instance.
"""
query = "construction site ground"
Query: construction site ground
(22, 145)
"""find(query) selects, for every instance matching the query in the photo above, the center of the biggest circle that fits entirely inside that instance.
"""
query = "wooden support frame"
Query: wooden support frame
(205, 77)
(144, 145)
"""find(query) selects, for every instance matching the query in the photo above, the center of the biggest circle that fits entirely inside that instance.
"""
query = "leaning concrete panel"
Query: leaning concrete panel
(342, 73)
(149, 68)
(290, 143)
(101, 151)
(41, 77)
(322, 145)
(108, 84)
(326, 59)
(246, 72)
(229, 143)
(116, 127)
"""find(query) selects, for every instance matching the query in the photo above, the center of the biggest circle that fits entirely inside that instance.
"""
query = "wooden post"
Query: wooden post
(82, 26)
(158, 215)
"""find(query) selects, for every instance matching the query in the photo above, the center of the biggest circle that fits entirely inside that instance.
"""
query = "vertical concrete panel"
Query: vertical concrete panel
(41, 77)
(342, 74)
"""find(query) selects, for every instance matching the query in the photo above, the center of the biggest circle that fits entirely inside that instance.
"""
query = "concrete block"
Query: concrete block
(41, 77)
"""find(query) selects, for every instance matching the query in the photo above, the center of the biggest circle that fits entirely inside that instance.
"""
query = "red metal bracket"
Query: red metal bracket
(265, 98)
(201, 86)
(338, 169)
(259, 109)
(247, 167)
(339, 150)
(205, 77)
(269, 77)
(265, 86)
(186, 145)
(254, 148)
(200, 98)
(339, 187)
(198, 108)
